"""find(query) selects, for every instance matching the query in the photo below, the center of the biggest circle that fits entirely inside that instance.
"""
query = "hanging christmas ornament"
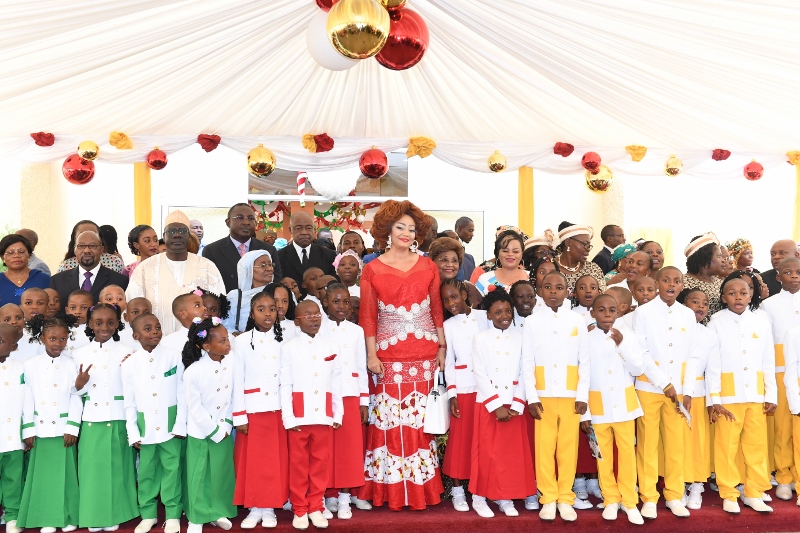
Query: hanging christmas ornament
(358, 29)
(497, 162)
(88, 150)
(637, 152)
(563, 149)
(156, 159)
(720, 155)
(260, 161)
(407, 42)
(361, 219)
(43, 139)
(373, 163)
(78, 170)
(326, 5)
(302, 177)
(753, 171)
(208, 142)
(673, 166)
(600, 180)
(320, 47)
(393, 5)
(591, 161)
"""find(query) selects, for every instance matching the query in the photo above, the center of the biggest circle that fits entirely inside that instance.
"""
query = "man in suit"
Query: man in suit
(779, 251)
(465, 229)
(303, 253)
(89, 275)
(612, 237)
(226, 252)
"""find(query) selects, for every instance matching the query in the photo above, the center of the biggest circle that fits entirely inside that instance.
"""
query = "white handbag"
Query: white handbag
(437, 410)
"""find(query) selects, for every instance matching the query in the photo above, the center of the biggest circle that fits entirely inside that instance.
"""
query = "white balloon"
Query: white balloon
(320, 47)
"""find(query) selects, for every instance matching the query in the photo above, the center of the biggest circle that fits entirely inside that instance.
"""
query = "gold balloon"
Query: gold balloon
(88, 150)
(393, 4)
(497, 162)
(600, 182)
(673, 166)
(260, 161)
(358, 29)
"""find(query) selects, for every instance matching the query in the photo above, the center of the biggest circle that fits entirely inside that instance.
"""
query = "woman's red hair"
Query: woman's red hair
(390, 212)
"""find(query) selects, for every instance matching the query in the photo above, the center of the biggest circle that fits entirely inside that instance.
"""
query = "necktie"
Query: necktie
(242, 250)
(305, 258)
(87, 283)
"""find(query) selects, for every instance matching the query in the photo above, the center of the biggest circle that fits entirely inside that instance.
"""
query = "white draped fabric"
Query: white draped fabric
(680, 77)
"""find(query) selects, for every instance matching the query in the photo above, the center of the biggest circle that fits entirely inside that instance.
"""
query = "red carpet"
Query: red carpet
(442, 518)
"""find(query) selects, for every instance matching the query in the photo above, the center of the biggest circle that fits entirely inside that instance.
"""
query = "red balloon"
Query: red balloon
(408, 40)
(326, 5)
(753, 171)
(374, 163)
(77, 170)
(591, 162)
(156, 159)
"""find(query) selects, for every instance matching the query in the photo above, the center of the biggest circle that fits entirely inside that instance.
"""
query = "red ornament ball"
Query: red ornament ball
(326, 5)
(408, 40)
(591, 162)
(753, 171)
(374, 163)
(156, 159)
(78, 170)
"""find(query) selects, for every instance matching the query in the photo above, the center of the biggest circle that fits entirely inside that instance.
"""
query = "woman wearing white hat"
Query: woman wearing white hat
(573, 258)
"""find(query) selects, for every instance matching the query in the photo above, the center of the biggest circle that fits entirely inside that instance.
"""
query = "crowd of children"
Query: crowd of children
(104, 417)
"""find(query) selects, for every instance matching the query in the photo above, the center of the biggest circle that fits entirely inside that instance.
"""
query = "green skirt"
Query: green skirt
(107, 475)
(50, 497)
(210, 480)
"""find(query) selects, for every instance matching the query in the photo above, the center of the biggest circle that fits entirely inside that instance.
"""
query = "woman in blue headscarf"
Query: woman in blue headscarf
(255, 271)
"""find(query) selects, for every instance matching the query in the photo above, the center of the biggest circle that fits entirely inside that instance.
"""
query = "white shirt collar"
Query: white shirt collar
(299, 250)
(82, 271)
(610, 249)
(237, 243)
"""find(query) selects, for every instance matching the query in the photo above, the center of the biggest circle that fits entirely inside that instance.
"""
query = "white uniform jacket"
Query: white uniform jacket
(744, 369)
(791, 379)
(352, 346)
(155, 403)
(783, 310)
(12, 398)
(289, 330)
(176, 340)
(208, 385)
(105, 399)
(555, 355)
(612, 396)
(585, 313)
(460, 331)
(669, 340)
(26, 349)
(311, 382)
(78, 340)
(256, 374)
(51, 410)
(497, 367)
(708, 345)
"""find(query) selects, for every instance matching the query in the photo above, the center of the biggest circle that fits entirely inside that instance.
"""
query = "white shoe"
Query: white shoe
(332, 504)
(579, 488)
(194, 528)
(507, 506)
(593, 486)
(695, 496)
(268, 518)
(582, 504)
(318, 519)
(784, 491)
(47, 530)
(757, 505)
(677, 508)
(634, 516)
(251, 521)
(610, 512)
(481, 507)
(11, 527)
(172, 525)
(548, 511)
(361, 505)
(649, 510)
(532, 502)
(772, 480)
(145, 525)
(111, 528)
(69, 529)
(459, 499)
(326, 514)
(300, 522)
(766, 497)
(222, 523)
(567, 513)
(343, 510)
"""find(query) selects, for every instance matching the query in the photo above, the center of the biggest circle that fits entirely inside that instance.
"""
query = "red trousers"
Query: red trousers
(310, 462)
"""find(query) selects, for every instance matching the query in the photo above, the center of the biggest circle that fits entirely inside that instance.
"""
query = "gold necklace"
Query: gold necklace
(21, 279)
(570, 269)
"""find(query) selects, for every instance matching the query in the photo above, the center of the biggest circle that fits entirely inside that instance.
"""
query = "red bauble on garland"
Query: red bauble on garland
(374, 163)
(753, 171)
(591, 162)
(326, 5)
(156, 159)
(563, 149)
(78, 170)
(408, 40)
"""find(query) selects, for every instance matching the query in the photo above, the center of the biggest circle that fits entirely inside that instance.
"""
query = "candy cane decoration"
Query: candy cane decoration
(302, 177)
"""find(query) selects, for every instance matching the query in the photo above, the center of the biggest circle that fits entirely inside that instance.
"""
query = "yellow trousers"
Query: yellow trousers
(697, 465)
(657, 407)
(622, 487)
(750, 430)
(556, 442)
(785, 471)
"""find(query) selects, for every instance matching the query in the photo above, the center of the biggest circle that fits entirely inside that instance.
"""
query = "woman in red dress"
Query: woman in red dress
(401, 313)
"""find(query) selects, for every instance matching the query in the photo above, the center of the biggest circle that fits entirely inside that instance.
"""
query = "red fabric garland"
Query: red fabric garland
(563, 149)
(43, 139)
(720, 155)
(324, 142)
(208, 142)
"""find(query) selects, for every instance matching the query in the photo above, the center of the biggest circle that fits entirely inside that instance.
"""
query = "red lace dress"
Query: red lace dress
(402, 311)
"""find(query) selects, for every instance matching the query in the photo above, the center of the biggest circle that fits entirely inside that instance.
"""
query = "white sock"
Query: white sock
(478, 499)
(457, 491)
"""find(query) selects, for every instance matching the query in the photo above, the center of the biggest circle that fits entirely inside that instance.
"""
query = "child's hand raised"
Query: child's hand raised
(83, 377)
(615, 335)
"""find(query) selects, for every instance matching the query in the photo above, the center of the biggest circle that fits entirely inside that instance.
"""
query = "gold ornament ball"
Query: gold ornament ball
(88, 150)
(393, 4)
(358, 29)
(601, 181)
(497, 162)
(673, 166)
(260, 161)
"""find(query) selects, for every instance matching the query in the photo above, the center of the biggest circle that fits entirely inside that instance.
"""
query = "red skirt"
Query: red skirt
(348, 451)
(401, 467)
(261, 462)
(458, 455)
(501, 458)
